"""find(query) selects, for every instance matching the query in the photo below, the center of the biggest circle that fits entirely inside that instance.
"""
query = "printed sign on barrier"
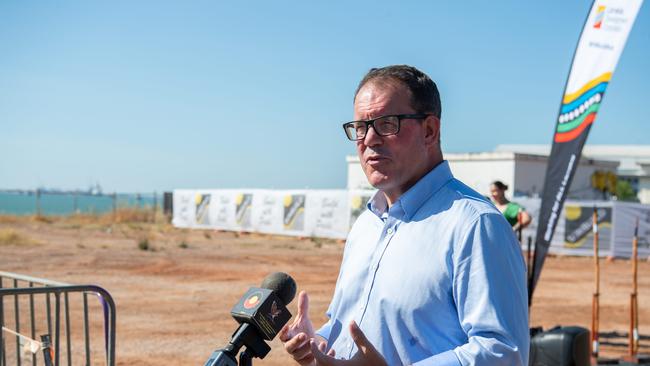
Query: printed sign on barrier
(578, 227)
(326, 214)
(184, 210)
(331, 213)
(357, 202)
(202, 209)
(294, 212)
(243, 210)
(267, 212)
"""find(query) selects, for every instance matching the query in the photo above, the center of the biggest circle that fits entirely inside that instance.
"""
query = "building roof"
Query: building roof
(630, 157)
(633, 151)
(493, 155)
(504, 155)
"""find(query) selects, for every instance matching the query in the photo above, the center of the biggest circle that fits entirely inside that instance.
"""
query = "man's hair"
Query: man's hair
(425, 97)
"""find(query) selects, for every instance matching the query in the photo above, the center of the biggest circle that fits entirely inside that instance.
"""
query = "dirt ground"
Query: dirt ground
(174, 288)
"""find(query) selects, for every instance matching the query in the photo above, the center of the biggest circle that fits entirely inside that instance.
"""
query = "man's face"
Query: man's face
(391, 163)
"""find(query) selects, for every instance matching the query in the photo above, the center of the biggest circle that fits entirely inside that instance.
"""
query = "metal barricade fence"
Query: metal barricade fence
(30, 320)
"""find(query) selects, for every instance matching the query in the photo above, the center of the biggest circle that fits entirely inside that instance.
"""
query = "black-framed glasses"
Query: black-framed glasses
(384, 125)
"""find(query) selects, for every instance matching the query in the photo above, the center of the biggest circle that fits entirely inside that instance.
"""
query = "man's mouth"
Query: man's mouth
(376, 159)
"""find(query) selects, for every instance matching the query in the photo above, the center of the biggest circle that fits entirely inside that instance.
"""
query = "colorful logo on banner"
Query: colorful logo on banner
(579, 109)
(243, 203)
(578, 226)
(202, 206)
(294, 212)
(600, 14)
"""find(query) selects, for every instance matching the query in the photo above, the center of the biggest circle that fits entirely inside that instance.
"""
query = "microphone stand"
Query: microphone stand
(245, 358)
(245, 335)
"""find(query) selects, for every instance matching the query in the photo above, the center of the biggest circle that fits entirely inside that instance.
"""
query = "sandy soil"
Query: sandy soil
(173, 300)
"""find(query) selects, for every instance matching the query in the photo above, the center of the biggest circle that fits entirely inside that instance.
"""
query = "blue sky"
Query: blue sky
(154, 95)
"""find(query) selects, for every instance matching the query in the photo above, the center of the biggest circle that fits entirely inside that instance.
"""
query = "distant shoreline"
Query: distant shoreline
(23, 203)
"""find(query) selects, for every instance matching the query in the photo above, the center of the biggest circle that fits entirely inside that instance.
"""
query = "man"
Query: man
(432, 273)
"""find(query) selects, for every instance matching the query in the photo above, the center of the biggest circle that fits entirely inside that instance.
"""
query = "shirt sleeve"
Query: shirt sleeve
(489, 290)
(325, 330)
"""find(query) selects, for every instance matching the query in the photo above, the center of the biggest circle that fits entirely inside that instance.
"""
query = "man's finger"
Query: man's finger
(321, 358)
(322, 346)
(303, 355)
(295, 343)
(303, 304)
(283, 334)
(331, 352)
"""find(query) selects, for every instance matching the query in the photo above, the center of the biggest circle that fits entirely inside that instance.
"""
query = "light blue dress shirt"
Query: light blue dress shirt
(436, 279)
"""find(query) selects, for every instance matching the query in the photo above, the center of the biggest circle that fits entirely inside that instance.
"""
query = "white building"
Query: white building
(634, 161)
(522, 172)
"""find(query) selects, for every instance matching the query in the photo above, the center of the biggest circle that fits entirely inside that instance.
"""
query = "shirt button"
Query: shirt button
(389, 231)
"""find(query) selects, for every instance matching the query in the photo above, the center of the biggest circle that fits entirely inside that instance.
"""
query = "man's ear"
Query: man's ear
(431, 129)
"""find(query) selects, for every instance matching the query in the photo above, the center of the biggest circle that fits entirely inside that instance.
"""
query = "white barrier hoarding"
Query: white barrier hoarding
(267, 212)
(183, 213)
(573, 233)
(326, 214)
(624, 221)
(331, 213)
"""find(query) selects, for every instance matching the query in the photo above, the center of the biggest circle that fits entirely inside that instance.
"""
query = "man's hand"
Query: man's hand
(296, 335)
(366, 355)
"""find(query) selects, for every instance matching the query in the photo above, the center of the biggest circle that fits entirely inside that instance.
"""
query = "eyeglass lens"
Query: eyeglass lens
(384, 126)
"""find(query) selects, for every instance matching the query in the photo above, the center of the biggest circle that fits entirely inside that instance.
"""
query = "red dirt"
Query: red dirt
(173, 302)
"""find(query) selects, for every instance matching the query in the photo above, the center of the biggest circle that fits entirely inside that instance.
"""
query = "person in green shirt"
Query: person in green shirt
(513, 212)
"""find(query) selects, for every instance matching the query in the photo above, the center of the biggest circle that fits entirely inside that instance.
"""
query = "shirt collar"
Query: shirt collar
(409, 203)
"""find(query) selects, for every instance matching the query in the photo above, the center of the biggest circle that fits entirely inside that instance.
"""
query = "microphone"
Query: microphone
(261, 314)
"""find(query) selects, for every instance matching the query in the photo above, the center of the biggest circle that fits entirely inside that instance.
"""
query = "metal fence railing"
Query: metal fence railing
(64, 320)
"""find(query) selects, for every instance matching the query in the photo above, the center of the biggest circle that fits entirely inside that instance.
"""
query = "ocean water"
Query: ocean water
(66, 204)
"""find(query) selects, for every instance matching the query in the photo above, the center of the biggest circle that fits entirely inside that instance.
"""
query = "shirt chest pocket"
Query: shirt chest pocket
(409, 279)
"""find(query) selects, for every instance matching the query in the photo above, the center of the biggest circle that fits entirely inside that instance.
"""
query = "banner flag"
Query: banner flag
(603, 38)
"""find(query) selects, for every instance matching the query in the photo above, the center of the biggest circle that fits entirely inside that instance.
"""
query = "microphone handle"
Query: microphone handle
(221, 358)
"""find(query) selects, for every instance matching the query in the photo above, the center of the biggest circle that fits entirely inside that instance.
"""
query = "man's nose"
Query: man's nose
(372, 138)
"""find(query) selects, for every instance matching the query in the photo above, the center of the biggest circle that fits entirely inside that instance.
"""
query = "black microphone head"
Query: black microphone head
(282, 285)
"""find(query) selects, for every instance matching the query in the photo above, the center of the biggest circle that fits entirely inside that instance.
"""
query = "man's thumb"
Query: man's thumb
(359, 338)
